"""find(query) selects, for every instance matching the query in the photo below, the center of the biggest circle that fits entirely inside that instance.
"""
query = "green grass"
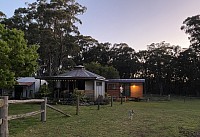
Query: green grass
(151, 119)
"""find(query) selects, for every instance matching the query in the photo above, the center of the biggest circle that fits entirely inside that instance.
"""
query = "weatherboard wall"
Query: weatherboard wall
(132, 88)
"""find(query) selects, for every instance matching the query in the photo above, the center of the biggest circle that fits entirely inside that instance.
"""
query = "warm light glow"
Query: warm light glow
(136, 90)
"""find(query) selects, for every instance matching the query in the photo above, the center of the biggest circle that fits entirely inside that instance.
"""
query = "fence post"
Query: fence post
(4, 117)
(111, 101)
(98, 103)
(44, 109)
(77, 106)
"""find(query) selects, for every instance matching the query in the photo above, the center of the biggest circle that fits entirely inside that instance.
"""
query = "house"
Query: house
(26, 87)
(132, 88)
(91, 84)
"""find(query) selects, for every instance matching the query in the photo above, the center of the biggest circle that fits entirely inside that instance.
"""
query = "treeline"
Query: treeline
(167, 69)
(52, 25)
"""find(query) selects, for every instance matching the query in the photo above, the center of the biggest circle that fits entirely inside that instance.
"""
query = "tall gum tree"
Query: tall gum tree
(52, 24)
(191, 26)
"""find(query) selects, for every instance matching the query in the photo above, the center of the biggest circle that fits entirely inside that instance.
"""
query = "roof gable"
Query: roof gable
(80, 72)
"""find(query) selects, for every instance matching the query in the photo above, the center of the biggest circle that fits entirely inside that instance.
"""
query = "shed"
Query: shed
(26, 87)
(91, 84)
(133, 88)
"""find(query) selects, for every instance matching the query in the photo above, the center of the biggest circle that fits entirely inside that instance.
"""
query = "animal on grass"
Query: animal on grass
(130, 114)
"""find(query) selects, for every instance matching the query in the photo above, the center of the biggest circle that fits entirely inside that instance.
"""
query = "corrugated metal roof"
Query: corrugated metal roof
(26, 79)
(80, 72)
(126, 80)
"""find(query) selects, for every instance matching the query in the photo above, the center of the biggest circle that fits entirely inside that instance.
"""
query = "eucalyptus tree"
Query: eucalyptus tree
(189, 72)
(99, 54)
(191, 26)
(16, 58)
(52, 24)
(160, 65)
(92, 51)
(108, 72)
(123, 58)
(143, 57)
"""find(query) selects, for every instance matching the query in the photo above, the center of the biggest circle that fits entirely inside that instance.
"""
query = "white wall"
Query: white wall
(99, 89)
(30, 91)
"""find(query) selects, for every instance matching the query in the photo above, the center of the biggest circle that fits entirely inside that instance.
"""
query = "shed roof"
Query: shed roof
(126, 80)
(26, 79)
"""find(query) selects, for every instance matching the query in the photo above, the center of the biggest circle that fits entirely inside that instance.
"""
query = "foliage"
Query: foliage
(120, 56)
(191, 26)
(124, 60)
(81, 95)
(52, 25)
(86, 54)
(44, 90)
(108, 72)
(158, 66)
(102, 101)
(17, 59)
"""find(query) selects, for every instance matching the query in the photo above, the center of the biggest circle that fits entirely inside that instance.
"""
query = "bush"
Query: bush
(43, 91)
(75, 94)
(102, 101)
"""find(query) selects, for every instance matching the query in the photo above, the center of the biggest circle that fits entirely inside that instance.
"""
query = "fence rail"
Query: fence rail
(25, 115)
(25, 101)
(4, 118)
(58, 110)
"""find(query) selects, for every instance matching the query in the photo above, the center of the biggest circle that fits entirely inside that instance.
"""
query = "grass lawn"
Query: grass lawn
(151, 119)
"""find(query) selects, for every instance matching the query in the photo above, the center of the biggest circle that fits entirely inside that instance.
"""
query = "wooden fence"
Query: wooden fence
(4, 118)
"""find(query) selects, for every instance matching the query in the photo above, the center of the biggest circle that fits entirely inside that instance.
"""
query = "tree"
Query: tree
(158, 65)
(108, 72)
(189, 72)
(98, 53)
(86, 44)
(122, 57)
(44, 91)
(191, 26)
(17, 59)
(52, 25)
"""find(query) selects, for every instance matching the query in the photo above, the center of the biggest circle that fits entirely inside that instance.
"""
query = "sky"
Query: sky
(135, 22)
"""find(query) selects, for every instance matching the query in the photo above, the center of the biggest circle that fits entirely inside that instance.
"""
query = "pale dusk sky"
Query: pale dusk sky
(135, 22)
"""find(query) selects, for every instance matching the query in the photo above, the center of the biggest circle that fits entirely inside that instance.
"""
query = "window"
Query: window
(112, 86)
(99, 83)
